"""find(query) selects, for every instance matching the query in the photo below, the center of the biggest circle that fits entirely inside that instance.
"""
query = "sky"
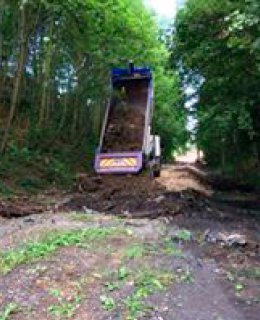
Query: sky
(164, 8)
(166, 11)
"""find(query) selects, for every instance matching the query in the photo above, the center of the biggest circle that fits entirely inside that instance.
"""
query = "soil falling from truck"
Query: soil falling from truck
(126, 121)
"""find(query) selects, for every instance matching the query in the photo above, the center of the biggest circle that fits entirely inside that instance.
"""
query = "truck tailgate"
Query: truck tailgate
(124, 162)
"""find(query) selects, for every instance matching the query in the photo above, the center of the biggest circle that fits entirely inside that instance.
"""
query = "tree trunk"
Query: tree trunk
(2, 6)
(17, 81)
(47, 72)
(64, 112)
(75, 118)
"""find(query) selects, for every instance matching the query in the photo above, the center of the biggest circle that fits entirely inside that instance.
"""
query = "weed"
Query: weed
(152, 280)
(182, 235)
(252, 273)
(185, 276)
(171, 249)
(135, 307)
(55, 292)
(64, 309)
(239, 286)
(5, 191)
(31, 184)
(134, 251)
(8, 311)
(122, 273)
(146, 283)
(152, 248)
(108, 303)
(50, 243)
(111, 286)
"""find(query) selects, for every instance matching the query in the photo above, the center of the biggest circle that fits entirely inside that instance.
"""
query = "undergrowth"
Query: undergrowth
(24, 169)
(49, 244)
(8, 311)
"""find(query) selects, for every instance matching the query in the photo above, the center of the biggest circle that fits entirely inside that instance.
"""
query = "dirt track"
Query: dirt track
(210, 278)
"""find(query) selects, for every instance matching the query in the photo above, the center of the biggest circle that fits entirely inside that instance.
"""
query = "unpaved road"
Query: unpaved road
(173, 248)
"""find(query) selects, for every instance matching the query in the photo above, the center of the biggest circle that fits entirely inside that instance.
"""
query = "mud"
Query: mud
(134, 196)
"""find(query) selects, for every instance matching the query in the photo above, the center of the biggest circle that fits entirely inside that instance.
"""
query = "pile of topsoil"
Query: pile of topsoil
(133, 196)
(19, 207)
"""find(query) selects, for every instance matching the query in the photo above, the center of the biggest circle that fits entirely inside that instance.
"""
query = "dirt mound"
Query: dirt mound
(133, 196)
(19, 207)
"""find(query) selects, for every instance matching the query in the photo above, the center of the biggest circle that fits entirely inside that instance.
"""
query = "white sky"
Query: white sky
(164, 8)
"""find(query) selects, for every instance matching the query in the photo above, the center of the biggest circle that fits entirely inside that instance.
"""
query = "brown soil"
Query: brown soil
(124, 131)
(212, 280)
(139, 196)
(126, 120)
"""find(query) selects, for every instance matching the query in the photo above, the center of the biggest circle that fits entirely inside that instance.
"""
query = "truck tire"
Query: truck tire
(157, 173)
(154, 168)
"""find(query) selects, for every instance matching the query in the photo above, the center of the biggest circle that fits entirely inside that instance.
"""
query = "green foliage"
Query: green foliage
(58, 170)
(8, 311)
(4, 190)
(146, 282)
(40, 249)
(123, 273)
(64, 309)
(108, 302)
(170, 115)
(55, 63)
(216, 45)
(134, 251)
(112, 286)
(182, 235)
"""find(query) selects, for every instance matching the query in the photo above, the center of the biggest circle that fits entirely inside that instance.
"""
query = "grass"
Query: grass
(122, 273)
(112, 286)
(167, 247)
(8, 311)
(239, 277)
(108, 303)
(5, 191)
(83, 217)
(134, 279)
(142, 281)
(170, 248)
(251, 273)
(134, 251)
(64, 309)
(182, 235)
(146, 282)
(50, 243)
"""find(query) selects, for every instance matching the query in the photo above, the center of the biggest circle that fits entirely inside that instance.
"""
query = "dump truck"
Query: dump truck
(127, 145)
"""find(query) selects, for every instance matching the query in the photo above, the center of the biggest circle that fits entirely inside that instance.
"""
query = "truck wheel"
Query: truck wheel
(156, 173)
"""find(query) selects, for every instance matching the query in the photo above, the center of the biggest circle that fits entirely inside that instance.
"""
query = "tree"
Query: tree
(56, 58)
(215, 45)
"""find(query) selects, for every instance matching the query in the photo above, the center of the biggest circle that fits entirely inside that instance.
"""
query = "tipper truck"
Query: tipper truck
(127, 144)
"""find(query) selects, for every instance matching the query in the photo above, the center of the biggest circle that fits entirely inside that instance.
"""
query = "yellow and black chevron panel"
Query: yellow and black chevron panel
(118, 163)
